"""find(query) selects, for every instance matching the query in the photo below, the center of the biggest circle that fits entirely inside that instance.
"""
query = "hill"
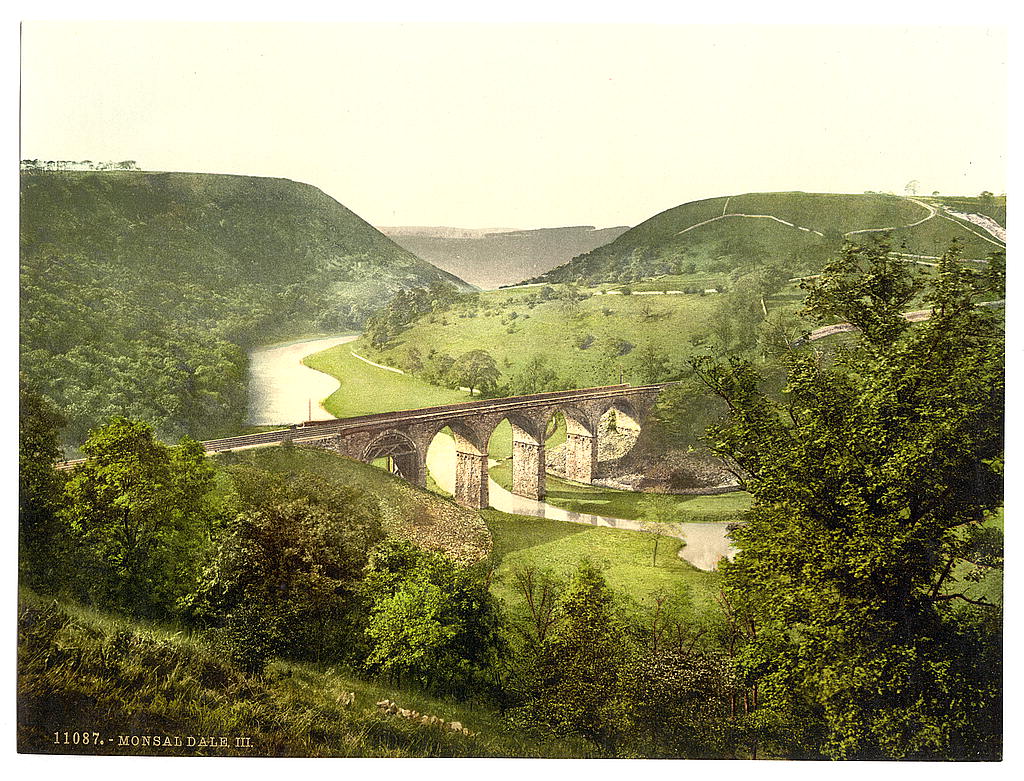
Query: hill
(795, 231)
(490, 259)
(140, 290)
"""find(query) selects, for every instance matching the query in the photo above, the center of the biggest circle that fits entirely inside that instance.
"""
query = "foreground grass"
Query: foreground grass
(80, 670)
(632, 505)
(626, 558)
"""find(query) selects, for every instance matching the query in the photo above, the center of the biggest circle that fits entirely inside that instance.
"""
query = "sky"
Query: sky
(526, 125)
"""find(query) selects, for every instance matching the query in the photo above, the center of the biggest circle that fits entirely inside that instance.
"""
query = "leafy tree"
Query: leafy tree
(39, 488)
(286, 576)
(536, 376)
(652, 365)
(137, 511)
(866, 286)
(679, 703)
(872, 476)
(572, 299)
(577, 681)
(743, 309)
(429, 620)
(475, 369)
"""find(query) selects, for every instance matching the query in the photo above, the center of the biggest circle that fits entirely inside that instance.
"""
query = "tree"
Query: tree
(744, 308)
(866, 286)
(572, 300)
(652, 364)
(137, 511)
(577, 681)
(536, 376)
(872, 476)
(39, 487)
(429, 619)
(288, 567)
(475, 369)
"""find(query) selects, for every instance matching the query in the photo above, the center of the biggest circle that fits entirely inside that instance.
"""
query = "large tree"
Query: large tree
(288, 565)
(873, 474)
(430, 620)
(137, 511)
(475, 369)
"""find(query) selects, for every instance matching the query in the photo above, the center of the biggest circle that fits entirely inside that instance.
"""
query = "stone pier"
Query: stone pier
(580, 457)
(411, 467)
(471, 480)
(528, 469)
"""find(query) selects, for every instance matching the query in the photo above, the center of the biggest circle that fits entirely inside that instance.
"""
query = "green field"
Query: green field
(625, 557)
(367, 389)
(584, 349)
(632, 505)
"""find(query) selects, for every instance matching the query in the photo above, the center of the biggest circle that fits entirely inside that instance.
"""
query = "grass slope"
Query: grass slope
(625, 557)
(82, 670)
(430, 521)
(676, 239)
(613, 323)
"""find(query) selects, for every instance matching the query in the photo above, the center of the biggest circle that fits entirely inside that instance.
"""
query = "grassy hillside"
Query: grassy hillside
(795, 231)
(84, 670)
(490, 260)
(609, 333)
(139, 289)
(428, 520)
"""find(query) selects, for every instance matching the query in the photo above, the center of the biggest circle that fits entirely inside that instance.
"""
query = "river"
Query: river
(282, 389)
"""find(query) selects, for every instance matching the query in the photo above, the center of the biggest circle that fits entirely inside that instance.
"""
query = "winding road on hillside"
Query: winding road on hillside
(957, 218)
(280, 391)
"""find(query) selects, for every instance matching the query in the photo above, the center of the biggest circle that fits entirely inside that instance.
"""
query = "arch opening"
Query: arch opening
(396, 453)
(517, 448)
(617, 433)
(457, 465)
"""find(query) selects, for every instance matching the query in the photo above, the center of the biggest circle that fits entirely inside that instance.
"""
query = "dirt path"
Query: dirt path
(751, 216)
(932, 211)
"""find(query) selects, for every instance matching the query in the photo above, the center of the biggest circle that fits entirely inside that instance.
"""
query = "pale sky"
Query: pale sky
(526, 126)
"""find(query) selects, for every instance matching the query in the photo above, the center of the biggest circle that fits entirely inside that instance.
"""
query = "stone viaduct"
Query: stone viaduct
(405, 436)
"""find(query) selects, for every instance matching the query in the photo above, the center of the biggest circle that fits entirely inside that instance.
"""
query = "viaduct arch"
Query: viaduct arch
(404, 436)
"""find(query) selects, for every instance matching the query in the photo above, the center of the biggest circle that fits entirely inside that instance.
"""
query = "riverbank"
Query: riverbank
(363, 389)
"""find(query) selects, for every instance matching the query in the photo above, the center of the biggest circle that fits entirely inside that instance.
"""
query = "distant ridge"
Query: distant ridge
(441, 231)
(493, 257)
